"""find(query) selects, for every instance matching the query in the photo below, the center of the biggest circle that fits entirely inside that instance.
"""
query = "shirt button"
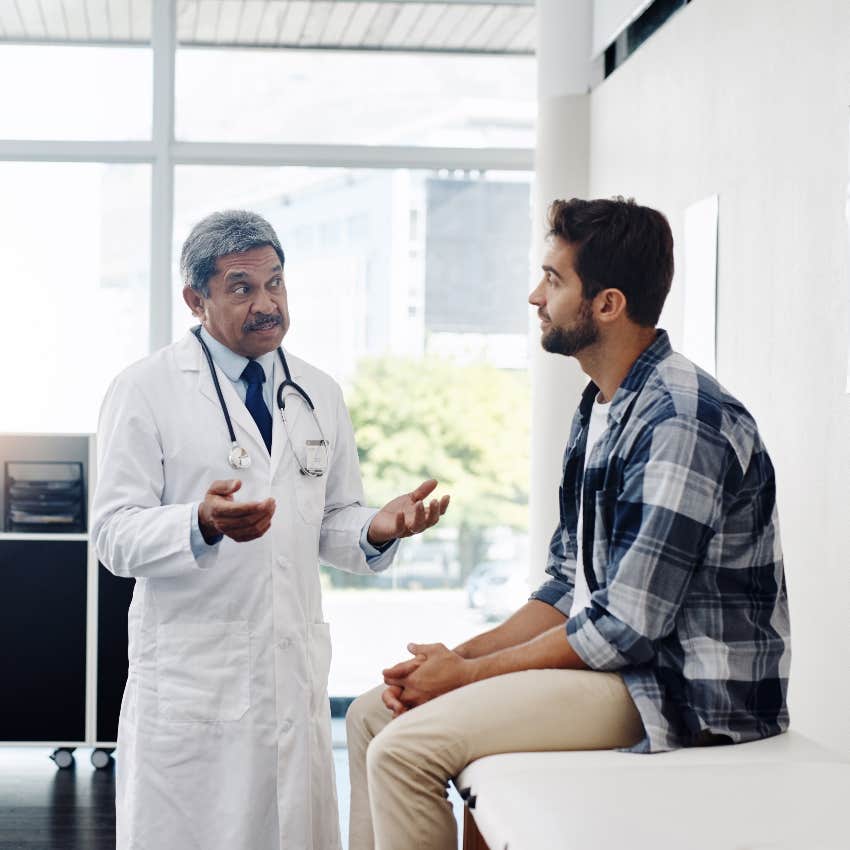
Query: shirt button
(286, 726)
(285, 643)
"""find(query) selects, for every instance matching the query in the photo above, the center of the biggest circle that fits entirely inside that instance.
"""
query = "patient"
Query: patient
(664, 619)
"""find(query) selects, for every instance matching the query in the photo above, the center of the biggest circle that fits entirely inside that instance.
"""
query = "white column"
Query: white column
(565, 72)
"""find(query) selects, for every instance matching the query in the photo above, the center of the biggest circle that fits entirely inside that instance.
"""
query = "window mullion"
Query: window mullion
(164, 43)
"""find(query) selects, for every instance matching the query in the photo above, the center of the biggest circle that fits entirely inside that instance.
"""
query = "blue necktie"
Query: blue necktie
(255, 377)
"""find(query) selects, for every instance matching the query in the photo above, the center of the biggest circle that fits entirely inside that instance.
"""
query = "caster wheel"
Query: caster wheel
(63, 758)
(101, 759)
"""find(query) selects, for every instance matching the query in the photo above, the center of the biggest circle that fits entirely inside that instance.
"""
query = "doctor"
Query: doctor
(227, 469)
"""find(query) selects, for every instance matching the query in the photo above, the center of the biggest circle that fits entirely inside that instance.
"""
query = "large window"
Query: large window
(409, 287)
(75, 240)
(75, 92)
(399, 185)
(303, 96)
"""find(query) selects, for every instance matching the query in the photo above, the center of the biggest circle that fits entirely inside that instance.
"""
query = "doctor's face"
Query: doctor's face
(246, 309)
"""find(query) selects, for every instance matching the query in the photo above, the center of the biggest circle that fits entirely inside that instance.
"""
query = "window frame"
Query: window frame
(162, 152)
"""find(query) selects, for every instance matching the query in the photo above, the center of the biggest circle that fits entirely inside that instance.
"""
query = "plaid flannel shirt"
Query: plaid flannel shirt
(682, 556)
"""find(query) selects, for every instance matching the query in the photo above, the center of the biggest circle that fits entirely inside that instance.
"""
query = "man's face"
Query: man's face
(566, 317)
(246, 309)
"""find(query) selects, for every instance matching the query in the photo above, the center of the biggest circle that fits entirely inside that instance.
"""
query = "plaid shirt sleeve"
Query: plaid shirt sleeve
(561, 566)
(659, 520)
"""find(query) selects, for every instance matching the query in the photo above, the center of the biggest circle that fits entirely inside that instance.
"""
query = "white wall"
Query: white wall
(751, 100)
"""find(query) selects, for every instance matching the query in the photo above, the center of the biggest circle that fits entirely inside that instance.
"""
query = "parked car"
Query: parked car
(422, 563)
(481, 575)
(497, 588)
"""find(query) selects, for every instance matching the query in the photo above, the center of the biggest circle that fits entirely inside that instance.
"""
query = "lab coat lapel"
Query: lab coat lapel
(243, 423)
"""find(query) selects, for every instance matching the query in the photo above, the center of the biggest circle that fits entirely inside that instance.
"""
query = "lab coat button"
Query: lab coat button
(285, 643)
(286, 726)
(281, 562)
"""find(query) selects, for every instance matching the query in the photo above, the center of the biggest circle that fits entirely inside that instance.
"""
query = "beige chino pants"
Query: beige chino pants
(400, 768)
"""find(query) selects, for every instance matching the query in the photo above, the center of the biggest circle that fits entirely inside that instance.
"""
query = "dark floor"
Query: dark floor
(42, 808)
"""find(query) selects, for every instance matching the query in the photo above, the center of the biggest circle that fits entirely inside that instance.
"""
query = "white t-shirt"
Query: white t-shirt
(595, 429)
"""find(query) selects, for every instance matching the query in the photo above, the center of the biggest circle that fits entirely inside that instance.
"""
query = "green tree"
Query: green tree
(467, 426)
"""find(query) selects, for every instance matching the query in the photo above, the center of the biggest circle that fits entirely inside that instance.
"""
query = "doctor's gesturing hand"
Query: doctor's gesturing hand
(240, 521)
(407, 515)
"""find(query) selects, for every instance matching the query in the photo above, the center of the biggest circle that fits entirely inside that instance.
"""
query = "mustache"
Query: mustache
(542, 315)
(262, 319)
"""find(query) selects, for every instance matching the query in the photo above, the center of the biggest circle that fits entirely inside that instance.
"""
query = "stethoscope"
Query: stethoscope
(317, 450)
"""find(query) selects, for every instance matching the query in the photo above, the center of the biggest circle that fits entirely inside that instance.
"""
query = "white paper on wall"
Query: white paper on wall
(847, 219)
(699, 327)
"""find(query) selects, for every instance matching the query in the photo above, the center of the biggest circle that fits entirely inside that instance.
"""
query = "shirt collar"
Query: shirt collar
(231, 363)
(649, 358)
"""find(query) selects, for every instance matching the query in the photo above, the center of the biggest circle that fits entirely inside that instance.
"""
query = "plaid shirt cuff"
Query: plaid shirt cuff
(589, 644)
(556, 593)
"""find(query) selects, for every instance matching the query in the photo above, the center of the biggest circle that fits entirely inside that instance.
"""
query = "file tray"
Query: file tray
(44, 497)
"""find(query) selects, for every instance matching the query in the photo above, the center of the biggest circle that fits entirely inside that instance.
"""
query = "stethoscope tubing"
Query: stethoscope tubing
(281, 397)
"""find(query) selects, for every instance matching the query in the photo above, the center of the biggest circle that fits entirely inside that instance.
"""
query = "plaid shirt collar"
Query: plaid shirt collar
(632, 383)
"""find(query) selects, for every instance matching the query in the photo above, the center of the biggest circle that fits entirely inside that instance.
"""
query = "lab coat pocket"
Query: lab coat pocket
(320, 662)
(203, 671)
(310, 497)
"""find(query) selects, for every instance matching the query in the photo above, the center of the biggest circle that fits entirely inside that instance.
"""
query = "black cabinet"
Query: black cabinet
(63, 617)
(43, 608)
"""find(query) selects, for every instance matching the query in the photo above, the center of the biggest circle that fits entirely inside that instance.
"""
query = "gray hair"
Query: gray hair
(219, 234)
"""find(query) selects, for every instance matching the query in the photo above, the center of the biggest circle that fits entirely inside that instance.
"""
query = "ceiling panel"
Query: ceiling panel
(187, 20)
(465, 27)
(317, 20)
(206, 23)
(447, 22)
(248, 26)
(98, 14)
(426, 22)
(381, 24)
(486, 34)
(229, 17)
(54, 20)
(119, 19)
(337, 24)
(32, 20)
(140, 20)
(507, 32)
(294, 20)
(495, 26)
(523, 41)
(359, 23)
(408, 14)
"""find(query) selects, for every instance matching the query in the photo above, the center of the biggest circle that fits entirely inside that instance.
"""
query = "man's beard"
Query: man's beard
(569, 341)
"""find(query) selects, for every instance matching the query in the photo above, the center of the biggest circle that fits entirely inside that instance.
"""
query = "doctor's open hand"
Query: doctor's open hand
(407, 515)
(240, 521)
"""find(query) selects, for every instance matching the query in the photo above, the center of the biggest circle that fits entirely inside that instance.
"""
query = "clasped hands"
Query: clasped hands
(434, 670)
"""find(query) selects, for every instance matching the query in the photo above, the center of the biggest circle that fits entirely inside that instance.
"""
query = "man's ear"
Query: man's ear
(609, 305)
(195, 302)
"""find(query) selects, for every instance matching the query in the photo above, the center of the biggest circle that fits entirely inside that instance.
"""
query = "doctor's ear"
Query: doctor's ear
(194, 301)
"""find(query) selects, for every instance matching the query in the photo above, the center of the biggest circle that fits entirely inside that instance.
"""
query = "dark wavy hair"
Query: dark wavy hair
(620, 245)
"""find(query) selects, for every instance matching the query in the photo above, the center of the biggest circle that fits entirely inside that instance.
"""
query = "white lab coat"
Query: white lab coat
(224, 736)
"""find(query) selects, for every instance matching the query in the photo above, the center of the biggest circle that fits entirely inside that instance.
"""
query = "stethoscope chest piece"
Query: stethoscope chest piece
(239, 457)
